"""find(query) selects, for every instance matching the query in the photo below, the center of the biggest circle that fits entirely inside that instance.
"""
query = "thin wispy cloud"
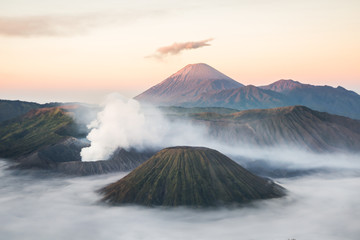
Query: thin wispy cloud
(177, 48)
(68, 25)
(46, 25)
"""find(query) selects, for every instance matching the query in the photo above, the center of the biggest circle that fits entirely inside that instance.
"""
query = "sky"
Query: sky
(77, 50)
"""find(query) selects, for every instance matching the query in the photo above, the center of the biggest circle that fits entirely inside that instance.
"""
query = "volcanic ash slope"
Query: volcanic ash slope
(190, 176)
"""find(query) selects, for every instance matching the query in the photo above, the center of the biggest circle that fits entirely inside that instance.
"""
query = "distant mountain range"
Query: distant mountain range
(199, 85)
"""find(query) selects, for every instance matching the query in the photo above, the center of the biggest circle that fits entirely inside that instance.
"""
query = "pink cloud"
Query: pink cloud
(176, 48)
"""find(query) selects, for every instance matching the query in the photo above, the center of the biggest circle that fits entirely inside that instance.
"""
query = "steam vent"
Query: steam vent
(190, 176)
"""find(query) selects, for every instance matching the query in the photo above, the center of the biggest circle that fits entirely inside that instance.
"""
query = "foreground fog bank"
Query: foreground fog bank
(36, 207)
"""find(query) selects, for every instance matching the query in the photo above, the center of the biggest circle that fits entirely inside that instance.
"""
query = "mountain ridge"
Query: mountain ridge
(284, 85)
(33, 130)
(246, 97)
(13, 108)
(281, 93)
(297, 126)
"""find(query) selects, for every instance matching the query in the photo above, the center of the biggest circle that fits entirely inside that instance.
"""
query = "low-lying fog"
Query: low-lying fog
(323, 205)
(36, 206)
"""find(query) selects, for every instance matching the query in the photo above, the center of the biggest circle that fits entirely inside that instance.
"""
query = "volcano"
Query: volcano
(187, 85)
(199, 85)
(190, 176)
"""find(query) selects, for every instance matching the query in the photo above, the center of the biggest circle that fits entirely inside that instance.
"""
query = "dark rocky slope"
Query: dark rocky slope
(121, 161)
(190, 176)
(64, 157)
(296, 126)
(37, 128)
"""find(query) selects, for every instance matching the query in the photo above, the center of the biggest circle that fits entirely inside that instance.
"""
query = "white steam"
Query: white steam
(126, 124)
(120, 124)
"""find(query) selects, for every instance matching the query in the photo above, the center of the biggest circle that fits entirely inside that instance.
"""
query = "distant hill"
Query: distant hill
(199, 85)
(284, 86)
(188, 84)
(190, 176)
(11, 109)
(37, 128)
(294, 126)
(322, 98)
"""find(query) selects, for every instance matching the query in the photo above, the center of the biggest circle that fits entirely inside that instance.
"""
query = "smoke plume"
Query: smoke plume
(126, 124)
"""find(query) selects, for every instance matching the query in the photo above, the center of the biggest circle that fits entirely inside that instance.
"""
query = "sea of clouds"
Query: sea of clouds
(34, 205)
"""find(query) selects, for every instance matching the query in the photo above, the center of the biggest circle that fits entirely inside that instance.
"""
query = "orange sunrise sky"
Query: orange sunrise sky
(77, 50)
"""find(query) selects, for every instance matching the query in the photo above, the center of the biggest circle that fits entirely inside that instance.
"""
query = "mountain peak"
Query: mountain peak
(283, 85)
(187, 84)
(203, 65)
(199, 71)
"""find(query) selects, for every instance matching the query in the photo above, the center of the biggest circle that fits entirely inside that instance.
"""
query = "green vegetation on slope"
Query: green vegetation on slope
(37, 128)
(189, 176)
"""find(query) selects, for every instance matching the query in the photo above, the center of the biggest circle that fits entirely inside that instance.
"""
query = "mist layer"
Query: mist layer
(34, 207)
